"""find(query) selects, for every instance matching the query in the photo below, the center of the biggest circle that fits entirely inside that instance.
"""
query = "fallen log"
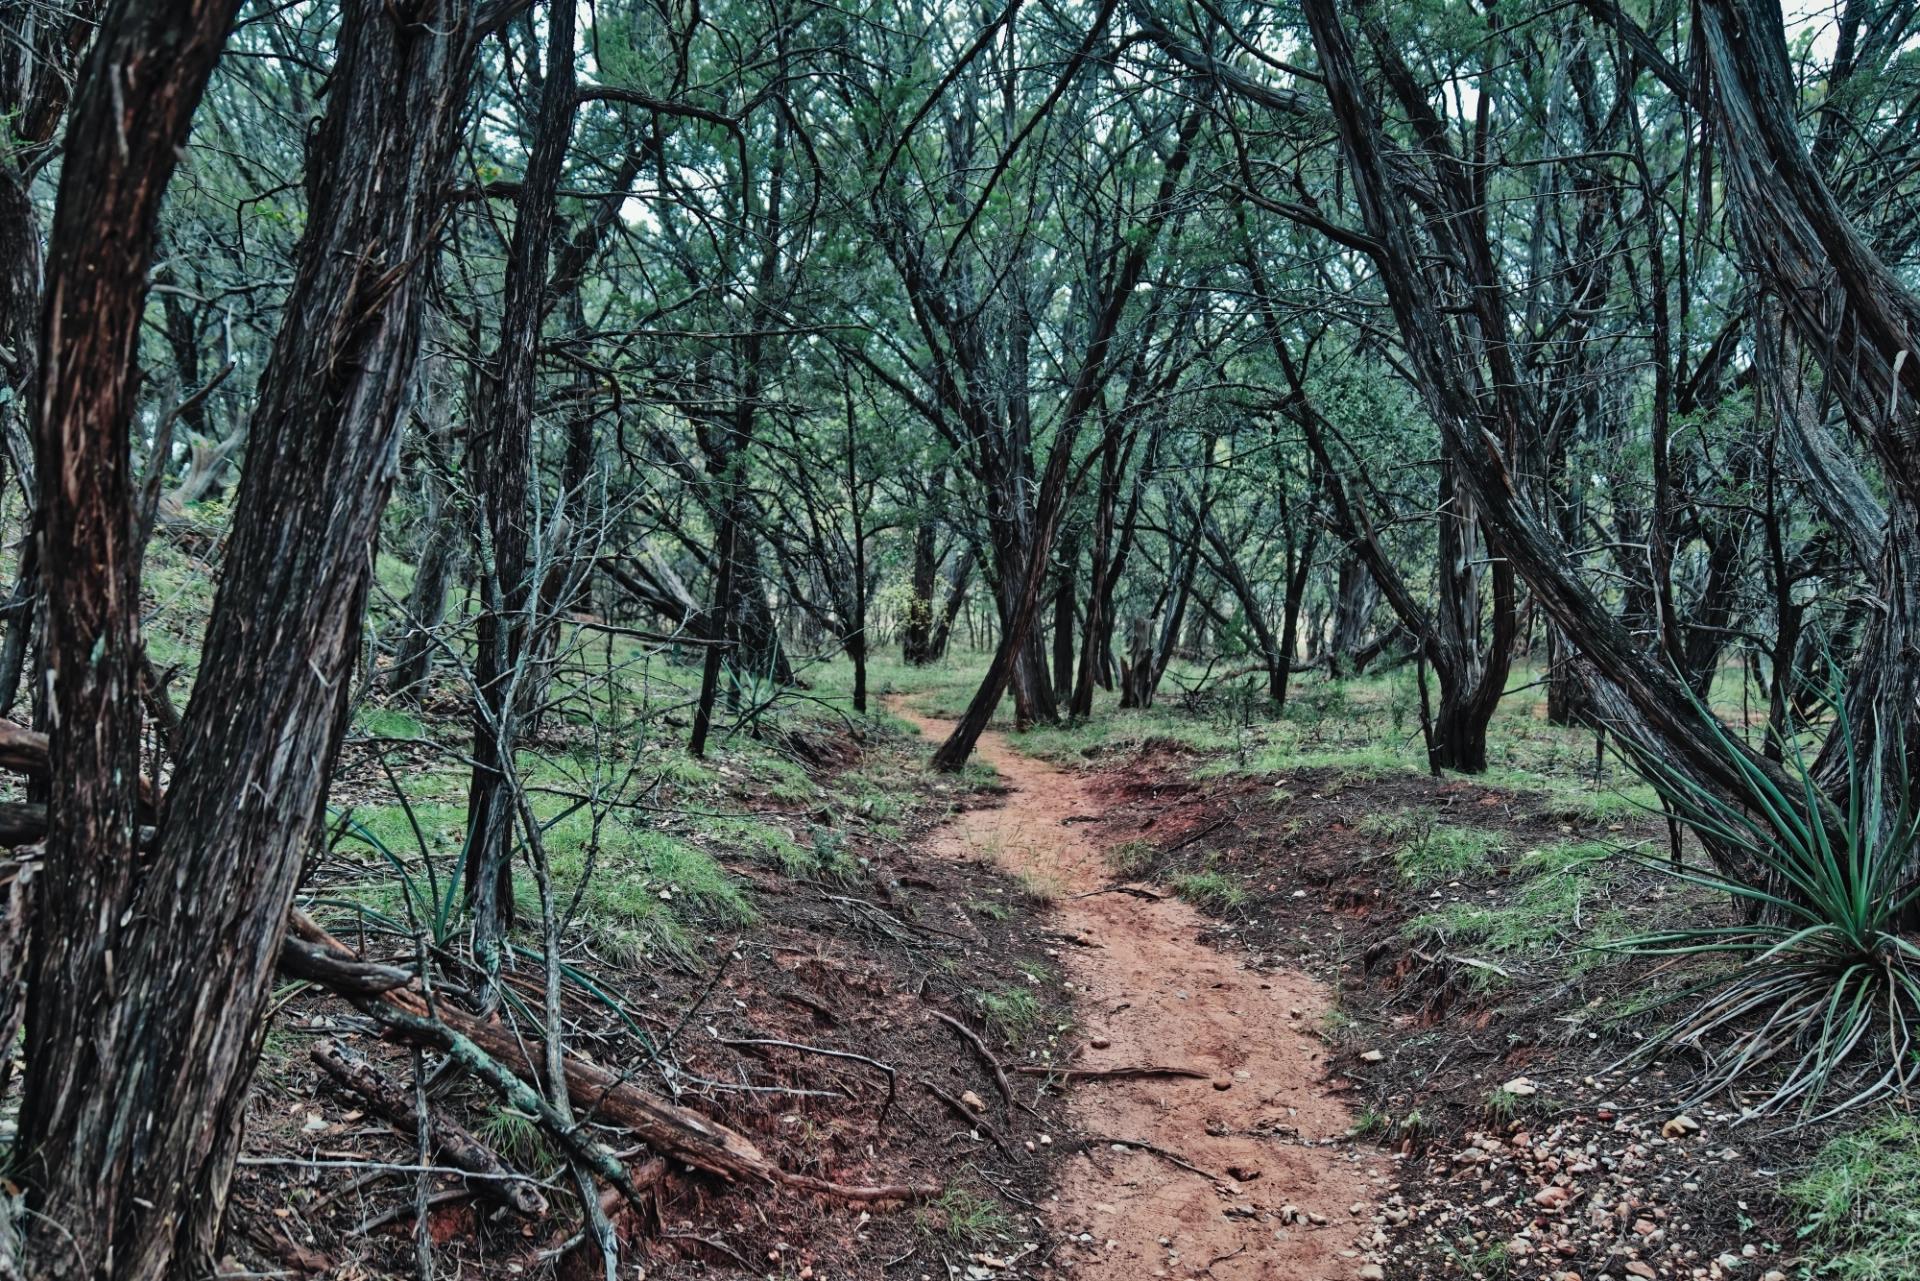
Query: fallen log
(309, 952)
(604, 1097)
(458, 1146)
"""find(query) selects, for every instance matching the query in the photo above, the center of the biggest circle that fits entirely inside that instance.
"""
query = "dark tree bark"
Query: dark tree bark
(40, 49)
(916, 638)
(1861, 323)
(956, 597)
(79, 1159)
(1065, 600)
(1630, 686)
(502, 465)
(1356, 596)
(441, 559)
(1094, 370)
(150, 977)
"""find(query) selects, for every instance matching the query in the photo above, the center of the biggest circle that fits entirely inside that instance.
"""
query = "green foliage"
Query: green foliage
(1212, 889)
(1442, 852)
(1824, 981)
(384, 722)
(1129, 859)
(1541, 910)
(1012, 1011)
(644, 893)
(1860, 1202)
(966, 1218)
(518, 1138)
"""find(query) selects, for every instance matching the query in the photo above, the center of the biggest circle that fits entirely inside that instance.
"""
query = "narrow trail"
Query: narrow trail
(1276, 1202)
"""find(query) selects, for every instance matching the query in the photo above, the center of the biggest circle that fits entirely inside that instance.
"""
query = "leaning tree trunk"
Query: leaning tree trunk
(1630, 685)
(1855, 316)
(956, 597)
(151, 976)
(83, 1163)
(441, 559)
(1056, 480)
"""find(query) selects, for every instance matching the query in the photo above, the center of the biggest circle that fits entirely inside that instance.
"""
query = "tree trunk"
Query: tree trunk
(151, 977)
(440, 562)
(102, 1205)
(1064, 591)
(502, 446)
(956, 597)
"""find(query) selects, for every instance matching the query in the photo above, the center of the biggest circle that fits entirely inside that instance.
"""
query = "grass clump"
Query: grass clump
(1129, 859)
(1861, 1202)
(1443, 851)
(1542, 910)
(1011, 1011)
(1211, 890)
(644, 894)
(965, 1218)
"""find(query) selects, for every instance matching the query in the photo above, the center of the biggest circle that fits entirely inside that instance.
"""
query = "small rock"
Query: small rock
(1552, 1198)
(1223, 1083)
(1100, 1043)
(1372, 1056)
(1372, 1272)
(1679, 1127)
(1243, 1173)
(1521, 1086)
(973, 1102)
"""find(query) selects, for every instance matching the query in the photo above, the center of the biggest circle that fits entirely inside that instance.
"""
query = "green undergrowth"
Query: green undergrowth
(1431, 853)
(1860, 1202)
(1210, 889)
(1557, 901)
(652, 851)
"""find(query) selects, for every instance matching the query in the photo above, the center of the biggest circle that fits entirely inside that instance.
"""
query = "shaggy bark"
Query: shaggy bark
(502, 465)
(151, 977)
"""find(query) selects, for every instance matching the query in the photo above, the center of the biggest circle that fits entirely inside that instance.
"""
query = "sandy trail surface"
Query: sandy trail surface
(1278, 1198)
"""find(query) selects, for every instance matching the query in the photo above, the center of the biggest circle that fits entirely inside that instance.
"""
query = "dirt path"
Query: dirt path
(1287, 1206)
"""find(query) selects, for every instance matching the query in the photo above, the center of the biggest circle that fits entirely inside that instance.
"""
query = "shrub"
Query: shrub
(1824, 983)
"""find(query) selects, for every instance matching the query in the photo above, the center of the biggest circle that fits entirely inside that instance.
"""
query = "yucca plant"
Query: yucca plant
(1824, 992)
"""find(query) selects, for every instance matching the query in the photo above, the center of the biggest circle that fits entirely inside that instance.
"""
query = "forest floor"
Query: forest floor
(1398, 1031)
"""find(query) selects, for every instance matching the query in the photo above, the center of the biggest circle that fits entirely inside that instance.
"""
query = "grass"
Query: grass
(647, 894)
(1039, 888)
(1444, 852)
(1129, 859)
(1861, 1203)
(1012, 1011)
(518, 1138)
(1211, 890)
(966, 1218)
(1539, 912)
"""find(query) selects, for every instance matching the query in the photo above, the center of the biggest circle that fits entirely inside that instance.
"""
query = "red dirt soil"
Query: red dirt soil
(1280, 1196)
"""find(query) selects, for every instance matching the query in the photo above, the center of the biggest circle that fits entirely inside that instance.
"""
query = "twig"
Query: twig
(887, 1069)
(1173, 1158)
(961, 1110)
(1119, 887)
(980, 1047)
(1112, 1073)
